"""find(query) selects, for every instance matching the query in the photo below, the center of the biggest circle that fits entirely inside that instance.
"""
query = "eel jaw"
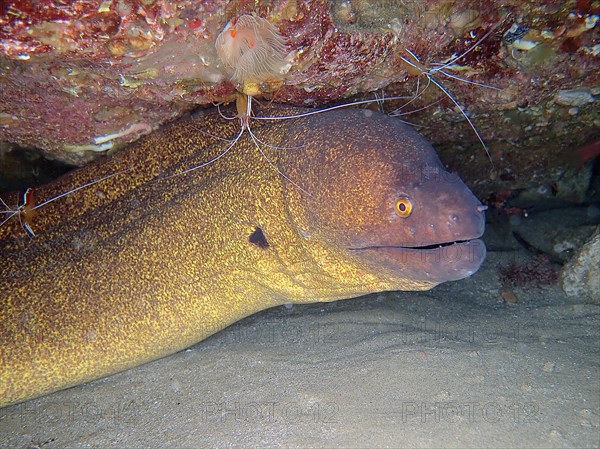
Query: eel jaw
(441, 262)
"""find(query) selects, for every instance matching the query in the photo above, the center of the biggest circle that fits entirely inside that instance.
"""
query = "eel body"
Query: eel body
(145, 264)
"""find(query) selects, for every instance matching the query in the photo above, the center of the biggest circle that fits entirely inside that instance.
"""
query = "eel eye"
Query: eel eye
(404, 207)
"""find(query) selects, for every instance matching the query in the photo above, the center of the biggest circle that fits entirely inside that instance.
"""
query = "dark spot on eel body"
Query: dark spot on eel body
(258, 238)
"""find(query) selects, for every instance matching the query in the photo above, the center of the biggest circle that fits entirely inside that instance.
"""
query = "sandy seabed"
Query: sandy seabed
(454, 367)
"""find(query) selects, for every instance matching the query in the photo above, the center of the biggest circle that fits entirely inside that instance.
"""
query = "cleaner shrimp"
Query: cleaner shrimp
(26, 207)
(415, 63)
(244, 113)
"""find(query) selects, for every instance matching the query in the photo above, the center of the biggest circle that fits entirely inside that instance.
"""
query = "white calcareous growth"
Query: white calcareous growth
(252, 49)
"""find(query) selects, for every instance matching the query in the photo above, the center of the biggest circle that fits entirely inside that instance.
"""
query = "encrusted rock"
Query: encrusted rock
(574, 97)
(580, 278)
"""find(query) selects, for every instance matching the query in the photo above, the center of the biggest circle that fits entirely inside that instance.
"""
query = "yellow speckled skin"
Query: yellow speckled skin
(143, 265)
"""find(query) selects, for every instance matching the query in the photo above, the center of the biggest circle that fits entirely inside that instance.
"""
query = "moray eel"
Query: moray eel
(145, 264)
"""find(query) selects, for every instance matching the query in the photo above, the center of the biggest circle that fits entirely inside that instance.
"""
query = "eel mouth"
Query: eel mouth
(408, 247)
(439, 262)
